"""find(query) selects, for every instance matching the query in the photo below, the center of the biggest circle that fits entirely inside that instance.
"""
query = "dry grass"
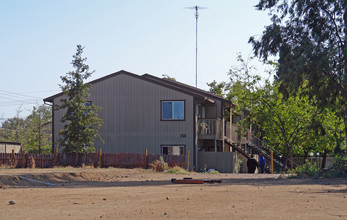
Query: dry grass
(178, 170)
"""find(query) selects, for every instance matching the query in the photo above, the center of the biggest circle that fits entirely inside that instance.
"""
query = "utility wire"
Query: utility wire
(17, 98)
(18, 94)
(20, 102)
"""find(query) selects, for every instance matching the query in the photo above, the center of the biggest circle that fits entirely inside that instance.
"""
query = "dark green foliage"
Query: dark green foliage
(81, 122)
(309, 38)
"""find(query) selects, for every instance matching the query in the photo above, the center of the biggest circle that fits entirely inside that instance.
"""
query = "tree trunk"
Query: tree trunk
(286, 157)
(77, 147)
(324, 161)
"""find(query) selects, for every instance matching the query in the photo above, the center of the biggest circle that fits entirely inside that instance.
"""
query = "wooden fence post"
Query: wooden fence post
(24, 159)
(146, 159)
(12, 159)
(100, 162)
(188, 160)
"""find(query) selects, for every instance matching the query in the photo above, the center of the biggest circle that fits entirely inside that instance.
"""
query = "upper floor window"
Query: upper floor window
(172, 110)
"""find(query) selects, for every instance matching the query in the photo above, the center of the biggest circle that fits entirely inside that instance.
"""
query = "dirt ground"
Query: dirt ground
(141, 194)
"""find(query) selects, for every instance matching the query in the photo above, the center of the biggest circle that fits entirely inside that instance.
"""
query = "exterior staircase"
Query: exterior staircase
(218, 129)
(255, 146)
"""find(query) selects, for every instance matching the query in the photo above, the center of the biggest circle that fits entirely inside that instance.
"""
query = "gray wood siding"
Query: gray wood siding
(131, 114)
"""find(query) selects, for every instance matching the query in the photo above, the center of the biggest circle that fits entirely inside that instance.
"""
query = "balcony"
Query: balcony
(210, 129)
(214, 129)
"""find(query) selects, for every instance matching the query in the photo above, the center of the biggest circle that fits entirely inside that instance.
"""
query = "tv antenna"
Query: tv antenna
(196, 8)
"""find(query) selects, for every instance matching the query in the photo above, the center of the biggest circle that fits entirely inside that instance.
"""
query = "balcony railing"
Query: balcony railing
(210, 128)
(232, 134)
(213, 129)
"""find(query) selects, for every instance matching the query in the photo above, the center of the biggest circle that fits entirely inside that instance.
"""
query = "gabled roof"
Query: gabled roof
(183, 86)
(163, 82)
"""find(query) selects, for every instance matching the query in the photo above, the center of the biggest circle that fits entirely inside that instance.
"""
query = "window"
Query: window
(172, 110)
(172, 150)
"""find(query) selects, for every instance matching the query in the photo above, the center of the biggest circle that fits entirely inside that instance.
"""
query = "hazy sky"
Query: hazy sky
(38, 39)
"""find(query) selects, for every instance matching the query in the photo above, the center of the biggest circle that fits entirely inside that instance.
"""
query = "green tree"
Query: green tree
(13, 129)
(217, 88)
(293, 125)
(244, 84)
(81, 122)
(330, 133)
(284, 123)
(39, 130)
(309, 37)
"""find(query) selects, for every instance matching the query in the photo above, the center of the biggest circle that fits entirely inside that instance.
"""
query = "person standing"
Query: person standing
(252, 164)
(261, 162)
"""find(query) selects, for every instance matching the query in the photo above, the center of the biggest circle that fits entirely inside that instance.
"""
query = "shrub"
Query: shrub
(158, 166)
(307, 169)
(338, 170)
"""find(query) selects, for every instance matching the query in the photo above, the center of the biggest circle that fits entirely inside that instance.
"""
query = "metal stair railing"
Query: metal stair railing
(262, 147)
(279, 158)
(238, 148)
(245, 152)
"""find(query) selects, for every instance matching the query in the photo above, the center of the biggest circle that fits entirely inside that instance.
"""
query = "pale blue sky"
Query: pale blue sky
(39, 37)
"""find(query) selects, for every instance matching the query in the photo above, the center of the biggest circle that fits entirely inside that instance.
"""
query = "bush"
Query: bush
(213, 172)
(307, 170)
(159, 166)
(339, 169)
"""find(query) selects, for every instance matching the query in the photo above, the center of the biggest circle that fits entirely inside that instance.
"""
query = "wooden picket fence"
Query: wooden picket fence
(121, 160)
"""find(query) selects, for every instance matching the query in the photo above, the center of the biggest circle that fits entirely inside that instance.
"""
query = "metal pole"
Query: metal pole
(196, 46)
(196, 8)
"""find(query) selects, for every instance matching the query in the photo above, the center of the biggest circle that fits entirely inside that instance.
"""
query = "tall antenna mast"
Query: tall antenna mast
(196, 8)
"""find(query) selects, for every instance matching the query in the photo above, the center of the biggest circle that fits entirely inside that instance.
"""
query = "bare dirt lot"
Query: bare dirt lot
(142, 194)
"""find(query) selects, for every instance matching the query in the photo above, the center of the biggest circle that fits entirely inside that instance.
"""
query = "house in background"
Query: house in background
(162, 115)
(7, 147)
